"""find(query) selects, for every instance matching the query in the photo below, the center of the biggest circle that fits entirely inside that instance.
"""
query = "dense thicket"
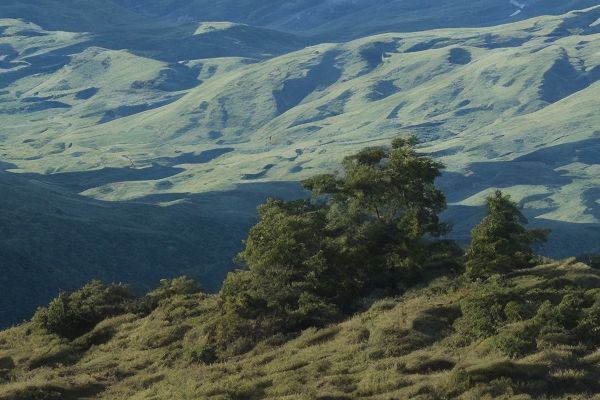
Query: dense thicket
(369, 230)
(71, 315)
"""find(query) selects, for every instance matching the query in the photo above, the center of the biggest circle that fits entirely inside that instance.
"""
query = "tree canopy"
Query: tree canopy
(372, 227)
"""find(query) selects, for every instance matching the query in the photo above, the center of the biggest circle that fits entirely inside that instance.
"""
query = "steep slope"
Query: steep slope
(514, 337)
(512, 107)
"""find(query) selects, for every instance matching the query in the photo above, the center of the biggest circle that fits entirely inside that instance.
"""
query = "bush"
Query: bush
(168, 288)
(517, 341)
(206, 354)
(588, 327)
(72, 315)
(483, 311)
(514, 311)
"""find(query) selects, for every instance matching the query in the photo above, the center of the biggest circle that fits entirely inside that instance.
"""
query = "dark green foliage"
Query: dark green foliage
(514, 311)
(394, 188)
(288, 285)
(517, 341)
(370, 229)
(588, 325)
(72, 315)
(500, 243)
(205, 354)
(483, 312)
(520, 321)
(168, 288)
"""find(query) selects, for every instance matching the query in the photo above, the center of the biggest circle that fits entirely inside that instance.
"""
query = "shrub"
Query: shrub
(72, 315)
(167, 288)
(483, 311)
(206, 354)
(517, 341)
(514, 311)
(500, 243)
(569, 310)
(588, 327)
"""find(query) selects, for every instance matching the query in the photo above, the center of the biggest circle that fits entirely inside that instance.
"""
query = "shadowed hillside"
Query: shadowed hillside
(55, 240)
(111, 26)
(349, 19)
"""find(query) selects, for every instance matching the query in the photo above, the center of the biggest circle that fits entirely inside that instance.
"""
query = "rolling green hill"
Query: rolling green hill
(120, 108)
(512, 107)
(449, 340)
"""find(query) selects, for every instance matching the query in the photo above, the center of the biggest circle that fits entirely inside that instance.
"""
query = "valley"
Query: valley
(148, 120)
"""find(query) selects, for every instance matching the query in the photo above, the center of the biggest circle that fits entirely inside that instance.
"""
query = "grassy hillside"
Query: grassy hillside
(115, 27)
(510, 107)
(440, 341)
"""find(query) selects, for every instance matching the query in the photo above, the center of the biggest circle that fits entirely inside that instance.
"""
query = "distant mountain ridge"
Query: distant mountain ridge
(109, 25)
(318, 19)
(350, 19)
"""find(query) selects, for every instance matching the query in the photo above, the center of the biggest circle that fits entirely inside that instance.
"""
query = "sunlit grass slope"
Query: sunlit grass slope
(441, 341)
(513, 106)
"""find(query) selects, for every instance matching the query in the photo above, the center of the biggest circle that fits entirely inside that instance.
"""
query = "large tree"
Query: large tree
(385, 206)
(284, 287)
(369, 228)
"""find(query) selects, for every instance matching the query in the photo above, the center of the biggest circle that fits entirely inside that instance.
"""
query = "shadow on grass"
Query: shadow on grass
(52, 239)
